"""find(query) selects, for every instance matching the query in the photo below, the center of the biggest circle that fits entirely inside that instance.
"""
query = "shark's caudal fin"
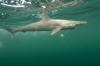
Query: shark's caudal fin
(12, 31)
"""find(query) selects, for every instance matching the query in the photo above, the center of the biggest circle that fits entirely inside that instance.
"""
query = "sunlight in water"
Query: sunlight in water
(39, 4)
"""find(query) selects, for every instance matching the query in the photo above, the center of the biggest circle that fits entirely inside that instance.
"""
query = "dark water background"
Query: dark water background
(79, 47)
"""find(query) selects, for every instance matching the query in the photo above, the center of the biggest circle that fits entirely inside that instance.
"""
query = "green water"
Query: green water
(79, 47)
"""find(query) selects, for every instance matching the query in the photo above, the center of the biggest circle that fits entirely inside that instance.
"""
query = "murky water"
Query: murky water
(78, 47)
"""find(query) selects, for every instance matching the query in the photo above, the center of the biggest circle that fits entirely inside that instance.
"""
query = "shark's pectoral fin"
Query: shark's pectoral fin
(56, 30)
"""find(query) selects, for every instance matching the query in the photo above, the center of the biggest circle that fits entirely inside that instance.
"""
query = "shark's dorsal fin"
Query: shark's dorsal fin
(45, 17)
(56, 30)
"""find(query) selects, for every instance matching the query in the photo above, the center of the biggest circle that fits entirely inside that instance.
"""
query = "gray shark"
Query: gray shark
(48, 24)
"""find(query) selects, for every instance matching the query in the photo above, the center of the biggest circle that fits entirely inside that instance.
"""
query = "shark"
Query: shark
(47, 24)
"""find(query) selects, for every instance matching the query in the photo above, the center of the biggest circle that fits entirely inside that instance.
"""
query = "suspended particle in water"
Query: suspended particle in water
(62, 35)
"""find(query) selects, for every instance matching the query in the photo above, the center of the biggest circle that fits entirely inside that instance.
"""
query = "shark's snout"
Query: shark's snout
(79, 22)
(83, 23)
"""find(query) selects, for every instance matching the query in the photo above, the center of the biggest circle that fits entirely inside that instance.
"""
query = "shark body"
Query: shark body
(48, 24)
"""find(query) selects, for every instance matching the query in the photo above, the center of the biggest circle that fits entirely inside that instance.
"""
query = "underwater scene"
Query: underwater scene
(25, 42)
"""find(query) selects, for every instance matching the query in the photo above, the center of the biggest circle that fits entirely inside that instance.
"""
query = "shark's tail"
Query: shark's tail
(12, 31)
